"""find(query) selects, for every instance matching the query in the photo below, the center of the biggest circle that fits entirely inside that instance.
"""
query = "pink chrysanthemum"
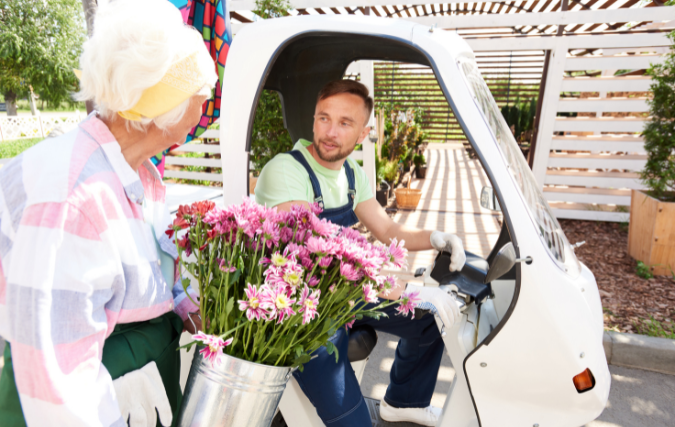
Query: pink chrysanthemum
(270, 233)
(325, 261)
(252, 304)
(409, 301)
(370, 294)
(225, 266)
(319, 246)
(386, 284)
(349, 325)
(398, 254)
(348, 272)
(322, 227)
(279, 303)
(213, 346)
(309, 303)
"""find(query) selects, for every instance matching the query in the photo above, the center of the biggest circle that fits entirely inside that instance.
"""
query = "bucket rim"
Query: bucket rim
(281, 368)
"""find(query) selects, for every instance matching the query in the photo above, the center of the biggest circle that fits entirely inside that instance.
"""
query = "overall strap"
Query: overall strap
(351, 193)
(297, 155)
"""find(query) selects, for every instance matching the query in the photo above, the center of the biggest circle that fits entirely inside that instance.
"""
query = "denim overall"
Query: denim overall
(332, 387)
(343, 215)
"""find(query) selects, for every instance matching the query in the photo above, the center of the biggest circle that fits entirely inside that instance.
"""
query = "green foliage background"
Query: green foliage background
(40, 43)
(269, 136)
(659, 132)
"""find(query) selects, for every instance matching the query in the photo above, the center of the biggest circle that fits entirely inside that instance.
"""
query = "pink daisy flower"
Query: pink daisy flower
(370, 294)
(213, 346)
(398, 254)
(325, 261)
(252, 304)
(270, 232)
(279, 303)
(225, 266)
(348, 272)
(409, 301)
(349, 325)
(309, 303)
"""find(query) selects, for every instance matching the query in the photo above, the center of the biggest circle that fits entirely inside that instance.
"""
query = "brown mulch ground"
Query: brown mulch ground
(627, 298)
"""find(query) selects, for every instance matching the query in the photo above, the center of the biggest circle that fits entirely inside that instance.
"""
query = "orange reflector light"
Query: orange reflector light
(584, 381)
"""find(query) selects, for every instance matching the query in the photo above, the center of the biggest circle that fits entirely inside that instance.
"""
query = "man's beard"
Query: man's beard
(342, 154)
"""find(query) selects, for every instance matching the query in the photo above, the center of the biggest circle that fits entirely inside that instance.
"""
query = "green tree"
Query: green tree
(269, 136)
(40, 43)
(659, 132)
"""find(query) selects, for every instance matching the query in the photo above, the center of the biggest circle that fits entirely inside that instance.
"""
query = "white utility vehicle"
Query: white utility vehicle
(528, 349)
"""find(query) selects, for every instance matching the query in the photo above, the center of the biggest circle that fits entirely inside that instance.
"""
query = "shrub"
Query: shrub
(520, 118)
(659, 132)
(419, 160)
(269, 136)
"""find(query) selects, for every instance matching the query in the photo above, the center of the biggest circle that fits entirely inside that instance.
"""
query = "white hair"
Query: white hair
(133, 45)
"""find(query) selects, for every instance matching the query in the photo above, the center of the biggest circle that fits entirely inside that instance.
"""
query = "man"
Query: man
(321, 172)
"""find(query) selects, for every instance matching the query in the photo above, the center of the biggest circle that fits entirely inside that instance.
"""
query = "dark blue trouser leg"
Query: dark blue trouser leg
(334, 391)
(332, 387)
(413, 376)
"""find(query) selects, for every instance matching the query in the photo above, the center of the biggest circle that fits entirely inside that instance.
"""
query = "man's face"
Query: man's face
(339, 124)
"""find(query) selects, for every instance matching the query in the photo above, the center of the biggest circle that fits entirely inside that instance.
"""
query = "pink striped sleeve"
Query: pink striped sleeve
(58, 320)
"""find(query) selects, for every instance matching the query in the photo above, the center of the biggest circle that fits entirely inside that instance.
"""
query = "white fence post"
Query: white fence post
(549, 109)
(367, 77)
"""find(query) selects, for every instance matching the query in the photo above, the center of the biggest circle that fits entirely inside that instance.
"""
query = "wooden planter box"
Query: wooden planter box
(651, 234)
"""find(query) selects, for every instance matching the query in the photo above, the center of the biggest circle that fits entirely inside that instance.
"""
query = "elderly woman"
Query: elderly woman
(89, 301)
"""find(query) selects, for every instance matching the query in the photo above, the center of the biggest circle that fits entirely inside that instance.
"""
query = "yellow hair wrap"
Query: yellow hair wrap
(181, 81)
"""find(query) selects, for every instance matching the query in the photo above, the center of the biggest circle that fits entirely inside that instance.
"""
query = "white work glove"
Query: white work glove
(138, 394)
(438, 302)
(450, 243)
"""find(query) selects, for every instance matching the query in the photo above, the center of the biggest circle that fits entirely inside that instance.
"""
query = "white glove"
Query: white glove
(450, 243)
(138, 394)
(439, 302)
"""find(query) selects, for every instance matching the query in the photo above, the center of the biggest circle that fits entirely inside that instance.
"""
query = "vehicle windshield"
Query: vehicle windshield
(549, 229)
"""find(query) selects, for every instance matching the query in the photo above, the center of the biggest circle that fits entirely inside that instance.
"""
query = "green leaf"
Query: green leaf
(331, 349)
(300, 360)
(298, 350)
(234, 277)
(229, 306)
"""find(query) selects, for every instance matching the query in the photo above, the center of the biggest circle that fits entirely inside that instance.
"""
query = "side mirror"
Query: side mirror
(502, 263)
(488, 200)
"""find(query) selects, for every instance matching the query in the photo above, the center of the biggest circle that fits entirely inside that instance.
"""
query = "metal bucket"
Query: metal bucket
(234, 393)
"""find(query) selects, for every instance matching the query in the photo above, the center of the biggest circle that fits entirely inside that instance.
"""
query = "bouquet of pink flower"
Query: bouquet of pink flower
(274, 286)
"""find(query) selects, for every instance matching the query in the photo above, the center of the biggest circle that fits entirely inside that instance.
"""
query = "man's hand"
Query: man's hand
(450, 243)
(439, 302)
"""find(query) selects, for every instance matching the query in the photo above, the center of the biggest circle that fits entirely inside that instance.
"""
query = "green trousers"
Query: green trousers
(131, 346)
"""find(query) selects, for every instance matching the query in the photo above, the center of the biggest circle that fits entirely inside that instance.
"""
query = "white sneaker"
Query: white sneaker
(424, 416)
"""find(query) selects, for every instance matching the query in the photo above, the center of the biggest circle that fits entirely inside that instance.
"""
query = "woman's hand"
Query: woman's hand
(189, 326)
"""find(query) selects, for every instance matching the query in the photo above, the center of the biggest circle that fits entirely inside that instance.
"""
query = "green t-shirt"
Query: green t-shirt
(284, 179)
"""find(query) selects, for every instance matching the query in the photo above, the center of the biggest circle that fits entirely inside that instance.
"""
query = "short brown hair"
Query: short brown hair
(337, 87)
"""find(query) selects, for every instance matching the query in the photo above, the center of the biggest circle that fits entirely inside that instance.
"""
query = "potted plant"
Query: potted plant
(273, 286)
(652, 212)
(382, 191)
(420, 166)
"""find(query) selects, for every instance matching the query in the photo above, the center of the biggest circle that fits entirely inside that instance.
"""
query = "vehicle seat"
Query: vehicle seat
(362, 341)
